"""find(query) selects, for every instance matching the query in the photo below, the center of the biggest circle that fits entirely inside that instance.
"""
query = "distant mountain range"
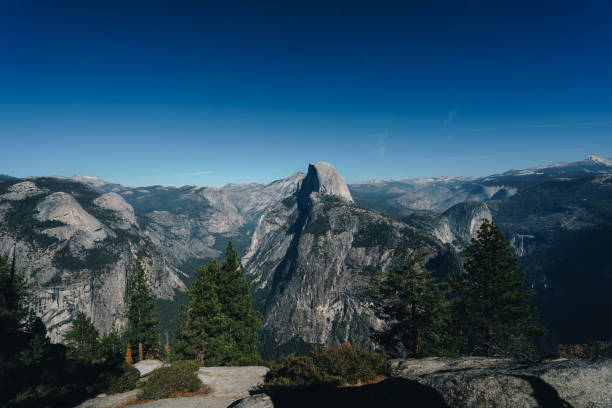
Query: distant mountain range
(310, 242)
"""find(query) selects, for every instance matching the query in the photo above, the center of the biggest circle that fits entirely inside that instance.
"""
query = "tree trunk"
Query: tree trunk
(415, 333)
(140, 358)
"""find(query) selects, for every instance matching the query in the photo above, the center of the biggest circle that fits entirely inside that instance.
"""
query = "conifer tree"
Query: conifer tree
(413, 306)
(493, 306)
(218, 323)
(142, 329)
(202, 319)
(83, 339)
(37, 343)
(112, 346)
(14, 296)
(236, 300)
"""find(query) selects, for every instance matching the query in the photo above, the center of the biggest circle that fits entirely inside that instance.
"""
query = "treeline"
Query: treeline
(217, 325)
(484, 311)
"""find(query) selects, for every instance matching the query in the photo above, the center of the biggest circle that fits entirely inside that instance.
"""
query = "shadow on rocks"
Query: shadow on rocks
(393, 392)
(545, 394)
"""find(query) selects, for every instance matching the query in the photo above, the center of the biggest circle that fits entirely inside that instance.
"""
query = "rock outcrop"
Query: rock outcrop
(456, 226)
(312, 255)
(75, 247)
(484, 382)
(75, 221)
(323, 178)
(146, 367)
(124, 212)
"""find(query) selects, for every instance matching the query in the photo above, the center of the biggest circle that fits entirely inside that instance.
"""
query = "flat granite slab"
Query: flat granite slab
(190, 402)
(234, 382)
(112, 401)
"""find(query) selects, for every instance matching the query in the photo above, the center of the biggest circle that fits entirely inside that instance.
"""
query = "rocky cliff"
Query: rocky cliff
(75, 246)
(311, 257)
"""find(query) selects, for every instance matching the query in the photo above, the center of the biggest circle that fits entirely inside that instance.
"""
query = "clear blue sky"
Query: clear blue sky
(150, 92)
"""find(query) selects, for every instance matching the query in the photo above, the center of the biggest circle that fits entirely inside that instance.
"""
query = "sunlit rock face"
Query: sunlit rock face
(323, 178)
(123, 211)
(312, 255)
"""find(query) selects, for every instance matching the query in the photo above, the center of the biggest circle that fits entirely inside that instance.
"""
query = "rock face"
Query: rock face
(76, 240)
(456, 226)
(310, 258)
(323, 178)
(485, 382)
(73, 219)
(114, 202)
(76, 246)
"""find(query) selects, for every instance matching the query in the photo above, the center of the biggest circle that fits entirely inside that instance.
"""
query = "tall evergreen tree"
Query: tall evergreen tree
(14, 297)
(493, 306)
(142, 329)
(236, 299)
(37, 345)
(413, 306)
(112, 347)
(218, 323)
(202, 323)
(83, 339)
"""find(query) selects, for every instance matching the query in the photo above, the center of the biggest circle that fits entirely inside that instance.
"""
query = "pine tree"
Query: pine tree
(493, 306)
(15, 294)
(218, 323)
(236, 300)
(37, 343)
(112, 346)
(142, 328)
(202, 323)
(83, 339)
(413, 307)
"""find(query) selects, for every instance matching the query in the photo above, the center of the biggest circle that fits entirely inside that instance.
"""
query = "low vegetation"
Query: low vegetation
(588, 350)
(328, 366)
(165, 382)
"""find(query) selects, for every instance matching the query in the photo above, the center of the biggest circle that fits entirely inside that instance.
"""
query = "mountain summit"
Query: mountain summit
(324, 178)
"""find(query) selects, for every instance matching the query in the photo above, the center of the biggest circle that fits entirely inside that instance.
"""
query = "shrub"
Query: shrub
(331, 366)
(590, 350)
(248, 361)
(166, 381)
(350, 364)
(298, 372)
(126, 379)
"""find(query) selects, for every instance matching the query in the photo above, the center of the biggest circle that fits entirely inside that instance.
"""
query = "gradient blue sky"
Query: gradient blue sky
(151, 92)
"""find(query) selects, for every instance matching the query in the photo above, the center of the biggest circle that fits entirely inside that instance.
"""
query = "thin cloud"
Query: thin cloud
(195, 173)
(451, 116)
(541, 126)
(492, 156)
(381, 138)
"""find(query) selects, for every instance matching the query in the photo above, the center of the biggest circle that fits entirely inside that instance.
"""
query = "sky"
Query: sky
(178, 92)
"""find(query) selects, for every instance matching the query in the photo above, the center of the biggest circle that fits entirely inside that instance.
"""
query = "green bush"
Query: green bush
(350, 364)
(125, 380)
(166, 381)
(248, 361)
(331, 366)
(298, 371)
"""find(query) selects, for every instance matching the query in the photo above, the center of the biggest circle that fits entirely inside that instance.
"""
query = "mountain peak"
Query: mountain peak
(599, 160)
(324, 178)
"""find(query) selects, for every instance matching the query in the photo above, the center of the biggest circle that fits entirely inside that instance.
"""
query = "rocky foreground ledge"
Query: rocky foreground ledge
(489, 382)
(428, 382)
